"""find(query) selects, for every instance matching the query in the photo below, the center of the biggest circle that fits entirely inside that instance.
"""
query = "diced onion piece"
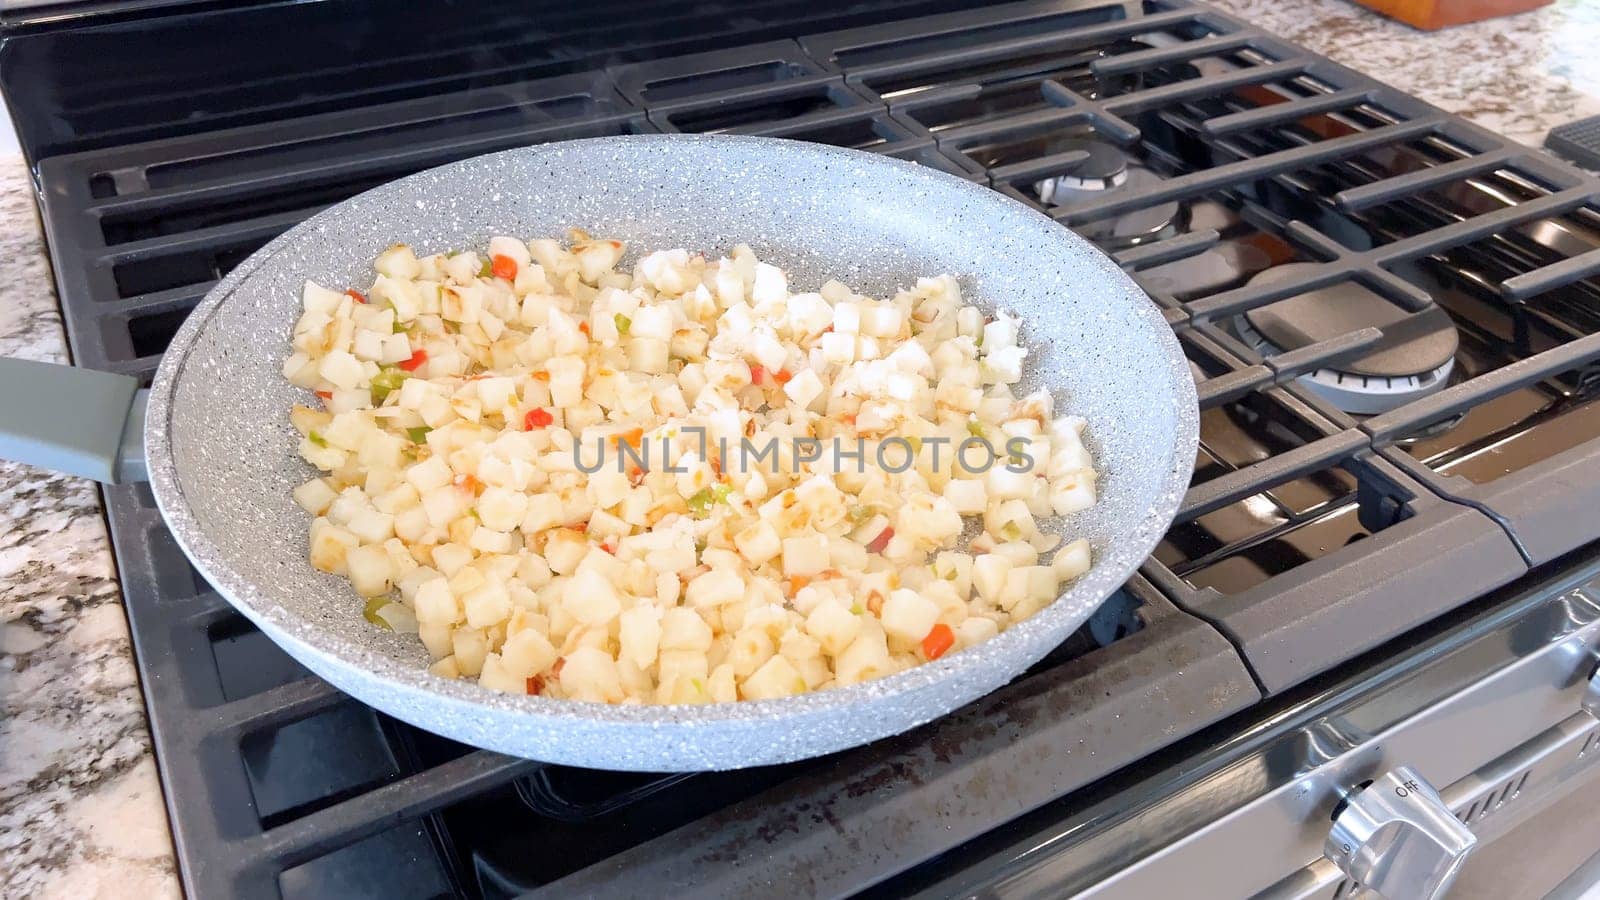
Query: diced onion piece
(1071, 561)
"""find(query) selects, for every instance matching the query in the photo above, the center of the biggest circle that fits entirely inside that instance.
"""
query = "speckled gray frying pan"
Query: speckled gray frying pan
(221, 455)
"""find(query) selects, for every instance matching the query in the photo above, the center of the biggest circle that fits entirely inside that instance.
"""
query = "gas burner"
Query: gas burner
(1109, 169)
(1106, 168)
(1415, 358)
(1211, 270)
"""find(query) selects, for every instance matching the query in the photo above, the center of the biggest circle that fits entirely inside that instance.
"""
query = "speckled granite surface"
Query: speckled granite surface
(1517, 76)
(81, 813)
(80, 807)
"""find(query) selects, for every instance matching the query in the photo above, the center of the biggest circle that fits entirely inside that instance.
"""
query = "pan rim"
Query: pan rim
(1106, 575)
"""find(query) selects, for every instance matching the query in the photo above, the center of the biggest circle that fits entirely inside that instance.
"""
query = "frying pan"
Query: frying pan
(221, 455)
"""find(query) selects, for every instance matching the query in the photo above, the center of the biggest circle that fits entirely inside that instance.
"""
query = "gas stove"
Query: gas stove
(1383, 578)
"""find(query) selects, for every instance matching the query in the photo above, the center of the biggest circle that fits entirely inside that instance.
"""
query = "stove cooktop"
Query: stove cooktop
(1391, 316)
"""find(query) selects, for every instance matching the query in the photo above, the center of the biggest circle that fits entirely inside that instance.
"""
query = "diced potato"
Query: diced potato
(989, 572)
(315, 496)
(1001, 483)
(527, 652)
(881, 320)
(544, 511)
(952, 605)
(591, 598)
(495, 676)
(640, 635)
(487, 605)
(591, 674)
(776, 678)
(369, 570)
(533, 571)
(437, 637)
(451, 558)
(489, 541)
(804, 556)
(867, 657)
(804, 387)
(955, 568)
(1000, 333)
(834, 626)
(398, 261)
(470, 646)
(1034, 586)
(466, 579)
(412, 525)
(444, 505)
(1009, 520)
(751, 649)
(341, 369)
(908, 615)
(318, 299)
(564, 550)
(435, 604)
(684, 629)
(721, 685)
(453, 403)
(714, 588)
(974, 630)
(329, 546)
(371, 526)
(514, 248)
(770, 285)
(967, 495)
(501, 509)
(1005, 365)
(397, 499)
(429, 474)
(758, 543)
(596, 258)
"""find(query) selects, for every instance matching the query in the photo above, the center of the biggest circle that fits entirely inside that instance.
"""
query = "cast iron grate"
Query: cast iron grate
(1254, 141)
(303, 59)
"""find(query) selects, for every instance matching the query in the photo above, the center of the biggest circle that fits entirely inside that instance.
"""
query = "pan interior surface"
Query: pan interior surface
(224, 462)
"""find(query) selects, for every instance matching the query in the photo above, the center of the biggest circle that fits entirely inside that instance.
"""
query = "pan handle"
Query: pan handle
(74, 421)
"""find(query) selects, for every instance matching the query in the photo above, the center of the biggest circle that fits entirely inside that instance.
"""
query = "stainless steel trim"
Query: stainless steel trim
(1453, 707)
(1494, 800)
(1580, 883)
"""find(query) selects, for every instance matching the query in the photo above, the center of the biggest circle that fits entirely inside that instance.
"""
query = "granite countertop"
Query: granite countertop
(1518, 76)
(81, 813)
(81, 810)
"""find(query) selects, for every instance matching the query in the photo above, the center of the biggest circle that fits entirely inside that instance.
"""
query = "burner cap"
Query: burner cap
(1106, 167)
(1129, 229)
(1413, 359)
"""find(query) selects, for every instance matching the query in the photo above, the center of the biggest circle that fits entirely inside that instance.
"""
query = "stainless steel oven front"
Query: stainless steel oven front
(1396, 781)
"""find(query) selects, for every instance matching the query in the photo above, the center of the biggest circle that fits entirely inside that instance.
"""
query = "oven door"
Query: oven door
(1418, 770)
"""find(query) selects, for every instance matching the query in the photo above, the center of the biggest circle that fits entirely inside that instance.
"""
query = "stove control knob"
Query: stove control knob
(1591, 694)
(1396, 837)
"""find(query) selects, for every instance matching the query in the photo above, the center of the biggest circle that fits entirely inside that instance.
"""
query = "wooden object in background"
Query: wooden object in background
(1432, 14)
